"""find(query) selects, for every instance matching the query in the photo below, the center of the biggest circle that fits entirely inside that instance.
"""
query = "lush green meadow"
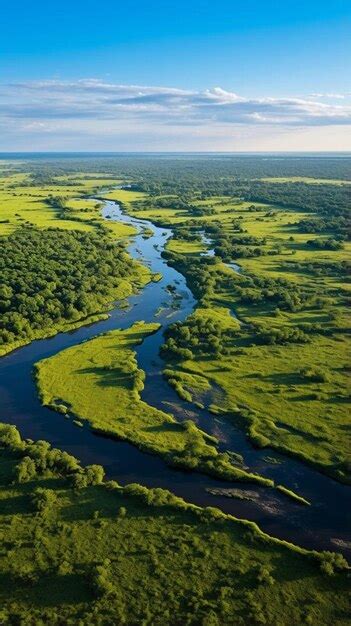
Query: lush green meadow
(78, 549)
(99, 381)
(294, 390)
(22, 202)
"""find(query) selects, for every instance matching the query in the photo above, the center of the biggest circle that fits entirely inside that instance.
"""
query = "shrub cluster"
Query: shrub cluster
(200, 334)
(40, 459)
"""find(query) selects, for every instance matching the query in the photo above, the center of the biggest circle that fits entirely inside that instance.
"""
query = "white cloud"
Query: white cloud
(331, 96)
(90, 108)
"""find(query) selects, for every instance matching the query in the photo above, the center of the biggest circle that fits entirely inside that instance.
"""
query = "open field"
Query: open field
(23, 203)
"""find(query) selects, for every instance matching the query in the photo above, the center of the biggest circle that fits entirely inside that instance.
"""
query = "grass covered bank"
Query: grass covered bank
(99, 381)
(77, 549)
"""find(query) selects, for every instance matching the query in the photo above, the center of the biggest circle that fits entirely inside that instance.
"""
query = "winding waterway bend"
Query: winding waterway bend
(323, 525)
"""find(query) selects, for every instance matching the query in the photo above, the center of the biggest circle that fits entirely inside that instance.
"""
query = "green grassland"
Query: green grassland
(99, 381)
(125, 196)
(273, 386)
(282, 407)
(180, 246)
(138, 205)
(78, 549)
(23, 203)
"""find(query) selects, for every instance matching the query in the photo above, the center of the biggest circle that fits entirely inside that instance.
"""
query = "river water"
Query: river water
(323, 525)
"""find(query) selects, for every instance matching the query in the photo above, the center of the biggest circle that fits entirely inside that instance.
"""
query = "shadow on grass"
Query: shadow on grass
(14, 505)
(49, 590)
(300, 433)
(109, 377)
(289, 378)
(164, 428)
(339, 399)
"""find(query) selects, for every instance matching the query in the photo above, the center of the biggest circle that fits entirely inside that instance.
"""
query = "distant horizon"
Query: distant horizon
(177, 152)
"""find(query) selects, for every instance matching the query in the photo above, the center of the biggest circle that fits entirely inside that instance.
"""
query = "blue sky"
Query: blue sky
(254, 74)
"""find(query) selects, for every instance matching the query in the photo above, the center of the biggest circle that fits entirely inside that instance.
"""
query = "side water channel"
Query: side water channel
(323, 525)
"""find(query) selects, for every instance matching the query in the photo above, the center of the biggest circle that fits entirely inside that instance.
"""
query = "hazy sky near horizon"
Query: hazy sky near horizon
(182, 75)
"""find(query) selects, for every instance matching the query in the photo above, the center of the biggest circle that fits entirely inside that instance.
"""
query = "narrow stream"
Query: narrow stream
(323, 525)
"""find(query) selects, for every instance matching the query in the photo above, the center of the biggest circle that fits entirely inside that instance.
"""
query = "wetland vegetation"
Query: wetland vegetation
(263, 244)
(291, 297)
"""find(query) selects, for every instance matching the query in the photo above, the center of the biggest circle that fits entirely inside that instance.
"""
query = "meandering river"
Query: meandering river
(323, 525)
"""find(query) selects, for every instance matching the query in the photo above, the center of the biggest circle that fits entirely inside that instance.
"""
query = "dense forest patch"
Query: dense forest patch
(53, 278)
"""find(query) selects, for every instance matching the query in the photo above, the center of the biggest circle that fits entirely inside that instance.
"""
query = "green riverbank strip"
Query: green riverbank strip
(132, 555)
(99, 381)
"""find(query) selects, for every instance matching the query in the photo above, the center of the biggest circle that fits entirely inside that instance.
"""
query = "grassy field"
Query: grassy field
(283, 407)
(23, 203)
(99, 381)
(273, 386)
(180, 246)
(77, 549)
(125, 196)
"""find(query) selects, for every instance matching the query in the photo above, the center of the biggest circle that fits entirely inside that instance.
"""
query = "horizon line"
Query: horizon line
(167, 152)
